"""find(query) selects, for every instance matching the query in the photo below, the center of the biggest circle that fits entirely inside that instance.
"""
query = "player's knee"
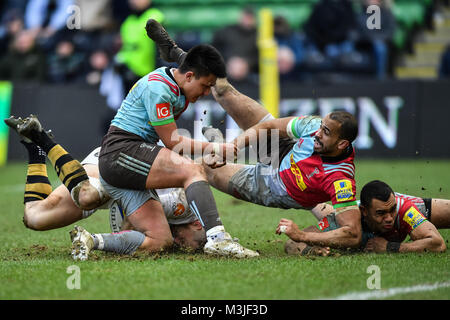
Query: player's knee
(31, 219)
(88, 198)
(194, 171)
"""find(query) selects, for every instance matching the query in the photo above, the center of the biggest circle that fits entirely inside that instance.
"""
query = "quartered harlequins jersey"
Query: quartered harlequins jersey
(408, 218)
(311, 179)
(154, 100)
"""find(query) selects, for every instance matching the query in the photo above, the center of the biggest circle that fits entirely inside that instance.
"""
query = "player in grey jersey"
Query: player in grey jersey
(57, 210)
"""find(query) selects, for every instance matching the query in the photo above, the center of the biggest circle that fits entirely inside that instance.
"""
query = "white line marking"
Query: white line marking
(386, 293)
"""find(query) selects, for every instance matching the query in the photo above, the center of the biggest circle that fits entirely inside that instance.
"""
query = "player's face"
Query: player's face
(195, 88)
(327, 139)
(191, 237)
(381, 215)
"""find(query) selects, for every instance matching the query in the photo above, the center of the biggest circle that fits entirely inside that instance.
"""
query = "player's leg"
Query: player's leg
(150, 232)
(220, 177)
(245, 111)
(440, 213)
(172, 170)
(58, 209)
(69, 171)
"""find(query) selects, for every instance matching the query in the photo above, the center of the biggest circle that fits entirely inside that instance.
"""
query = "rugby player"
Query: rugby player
(130, 158)
(47, 209)
(315, 162)
(388, 218)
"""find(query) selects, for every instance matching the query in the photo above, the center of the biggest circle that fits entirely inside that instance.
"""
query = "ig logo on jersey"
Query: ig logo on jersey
(162, 110)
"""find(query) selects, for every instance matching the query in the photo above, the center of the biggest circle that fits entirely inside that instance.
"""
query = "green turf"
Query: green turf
(34, 264)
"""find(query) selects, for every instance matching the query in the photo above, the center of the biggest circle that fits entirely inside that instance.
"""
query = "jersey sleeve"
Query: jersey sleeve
(410, 217)
(303, 126)
(342, 191)
(159, 104)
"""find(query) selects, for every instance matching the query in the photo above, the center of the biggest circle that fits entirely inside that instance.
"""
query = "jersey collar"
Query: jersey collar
(341, 157)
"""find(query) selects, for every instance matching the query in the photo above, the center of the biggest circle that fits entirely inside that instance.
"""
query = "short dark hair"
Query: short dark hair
(349, 125)
(375, 189)
(204, 60)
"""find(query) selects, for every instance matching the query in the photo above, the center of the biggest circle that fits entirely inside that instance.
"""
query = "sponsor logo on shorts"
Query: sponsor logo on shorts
(162, 110)
(148, 146)
(344, 190)
(413, 217)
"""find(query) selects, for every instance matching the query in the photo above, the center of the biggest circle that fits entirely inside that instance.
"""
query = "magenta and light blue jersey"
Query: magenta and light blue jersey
(154, 100)
(311, 179)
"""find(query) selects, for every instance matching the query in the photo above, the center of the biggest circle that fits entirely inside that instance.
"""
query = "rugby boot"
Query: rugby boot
(82, 243)
(14, 123)
(30, 128)
(224, 245)
(168, 49)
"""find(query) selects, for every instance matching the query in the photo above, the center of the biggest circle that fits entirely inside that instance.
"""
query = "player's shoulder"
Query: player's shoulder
(159, 81)
(337, 171)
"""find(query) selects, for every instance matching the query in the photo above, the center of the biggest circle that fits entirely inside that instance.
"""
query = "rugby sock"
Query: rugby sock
(69, 170)
(124, 242)
(37, 186)
(201, 201)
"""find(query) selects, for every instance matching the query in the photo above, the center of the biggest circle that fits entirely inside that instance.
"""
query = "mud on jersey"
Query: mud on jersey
(154, 100)
(311, 179)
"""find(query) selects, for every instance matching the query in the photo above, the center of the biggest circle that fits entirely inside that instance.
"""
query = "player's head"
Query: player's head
(336, 133)
(378, 206)
(200, 68)
(190, 236)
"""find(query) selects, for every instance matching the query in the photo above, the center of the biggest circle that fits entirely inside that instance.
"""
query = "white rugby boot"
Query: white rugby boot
(220, 243)
(82, 243)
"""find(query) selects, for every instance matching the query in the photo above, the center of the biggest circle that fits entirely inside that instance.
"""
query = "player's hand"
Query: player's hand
(213, 160)
(377, 244)
(289, 228)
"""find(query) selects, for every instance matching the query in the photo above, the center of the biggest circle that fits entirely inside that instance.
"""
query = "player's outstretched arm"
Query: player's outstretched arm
(271, 127)
(425, 238)
(347, 236)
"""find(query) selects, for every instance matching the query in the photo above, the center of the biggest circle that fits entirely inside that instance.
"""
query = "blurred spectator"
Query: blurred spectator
(378, 39)
(237, 43)
(290, 49)
(98, 25)
(12, 24)
(65, 64)
(137, 57)
(99, 61)
(444, 68)
(45, 17)
(329, 32)
(24, 61)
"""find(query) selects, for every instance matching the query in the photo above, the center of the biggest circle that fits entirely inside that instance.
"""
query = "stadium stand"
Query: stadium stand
(420, 36)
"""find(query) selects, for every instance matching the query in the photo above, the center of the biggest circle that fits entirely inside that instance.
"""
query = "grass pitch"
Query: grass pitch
(34, 264)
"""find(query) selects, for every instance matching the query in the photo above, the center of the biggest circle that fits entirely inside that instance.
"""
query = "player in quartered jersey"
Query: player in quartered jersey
(387, 219)
(47, 209)
(131, 160)
(392, 217)
(315, 167)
